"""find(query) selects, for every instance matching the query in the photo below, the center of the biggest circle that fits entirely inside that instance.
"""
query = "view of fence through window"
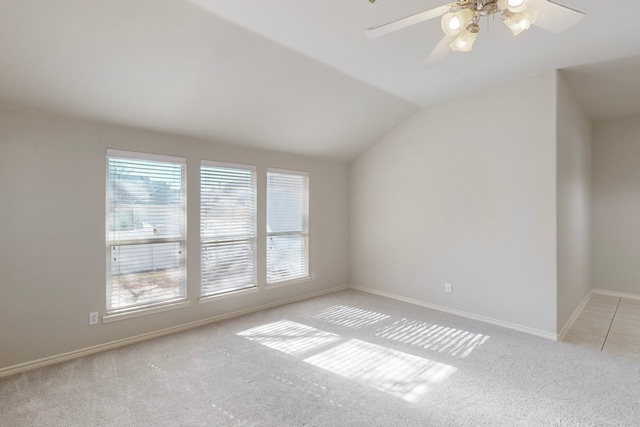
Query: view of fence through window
(146, 232)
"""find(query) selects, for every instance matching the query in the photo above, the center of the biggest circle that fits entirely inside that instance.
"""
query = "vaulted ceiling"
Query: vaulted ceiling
(290, 75)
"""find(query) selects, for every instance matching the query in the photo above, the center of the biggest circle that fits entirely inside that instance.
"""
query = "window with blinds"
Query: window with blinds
(287, 225)
(227, 227)
(146, 232)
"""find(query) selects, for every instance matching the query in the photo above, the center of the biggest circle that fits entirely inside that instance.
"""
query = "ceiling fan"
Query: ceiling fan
(461, 21)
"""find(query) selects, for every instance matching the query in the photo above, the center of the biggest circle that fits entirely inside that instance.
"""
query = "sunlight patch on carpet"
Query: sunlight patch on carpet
(443, 339)
(351, 317)
(289, 337)
(399, 374)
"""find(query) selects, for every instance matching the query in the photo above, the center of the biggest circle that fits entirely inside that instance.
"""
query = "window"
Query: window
(146, 229)
(227, 227)
(287, 225)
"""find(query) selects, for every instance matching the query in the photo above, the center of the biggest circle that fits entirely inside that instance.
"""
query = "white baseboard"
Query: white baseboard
(615, 294)
(22, 367)
(15, 369)
(574, 316)
(472, 316)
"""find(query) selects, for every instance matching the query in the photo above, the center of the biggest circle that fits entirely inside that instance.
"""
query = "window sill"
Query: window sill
(210, 298)
(114, 317)
(288, 282)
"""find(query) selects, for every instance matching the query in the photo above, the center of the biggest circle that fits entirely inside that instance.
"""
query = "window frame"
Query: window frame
(252, 240)
(163, 305)
(304, 233)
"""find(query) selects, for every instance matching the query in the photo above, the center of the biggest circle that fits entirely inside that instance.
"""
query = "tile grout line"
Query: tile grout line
(611, 324)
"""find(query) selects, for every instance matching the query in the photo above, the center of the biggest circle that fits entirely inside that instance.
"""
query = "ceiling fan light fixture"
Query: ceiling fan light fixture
(464, 41)
(518, 22)
(515, 6)
(460, 21)
(454, 22)
(513, 26)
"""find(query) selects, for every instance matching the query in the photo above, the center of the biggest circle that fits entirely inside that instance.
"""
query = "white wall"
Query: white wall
(616, 205)
(573, 202)
(52, 219)
(465, 193)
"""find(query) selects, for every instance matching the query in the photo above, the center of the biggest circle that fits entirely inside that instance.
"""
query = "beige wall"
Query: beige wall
(573, 202)
(489, 193)
(52, 219)
(465, 193)
(616, 205)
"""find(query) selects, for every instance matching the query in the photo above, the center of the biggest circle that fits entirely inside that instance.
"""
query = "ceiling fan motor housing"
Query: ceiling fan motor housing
(480, 7)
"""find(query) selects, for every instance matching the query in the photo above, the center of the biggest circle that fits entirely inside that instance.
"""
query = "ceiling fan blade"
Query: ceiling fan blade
(555, 17)
(406, 22)
(439, 52)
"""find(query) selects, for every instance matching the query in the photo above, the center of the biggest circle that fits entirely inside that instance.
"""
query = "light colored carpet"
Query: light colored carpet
(344, 359)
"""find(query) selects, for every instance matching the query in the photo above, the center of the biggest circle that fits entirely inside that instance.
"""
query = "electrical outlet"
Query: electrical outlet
(313, 276)
(93, 318)
(447, 287)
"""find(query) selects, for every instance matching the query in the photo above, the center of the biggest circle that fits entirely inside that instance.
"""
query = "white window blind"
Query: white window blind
(227, 227)
(146, 217)
(287, 225)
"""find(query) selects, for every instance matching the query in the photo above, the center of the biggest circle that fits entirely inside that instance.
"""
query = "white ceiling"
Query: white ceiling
(288, 75)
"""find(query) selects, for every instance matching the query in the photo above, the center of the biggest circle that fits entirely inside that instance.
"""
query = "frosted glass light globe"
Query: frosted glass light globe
(515, 6)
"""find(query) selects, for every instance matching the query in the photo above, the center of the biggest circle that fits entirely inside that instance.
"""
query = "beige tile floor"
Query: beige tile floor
(608, 324)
